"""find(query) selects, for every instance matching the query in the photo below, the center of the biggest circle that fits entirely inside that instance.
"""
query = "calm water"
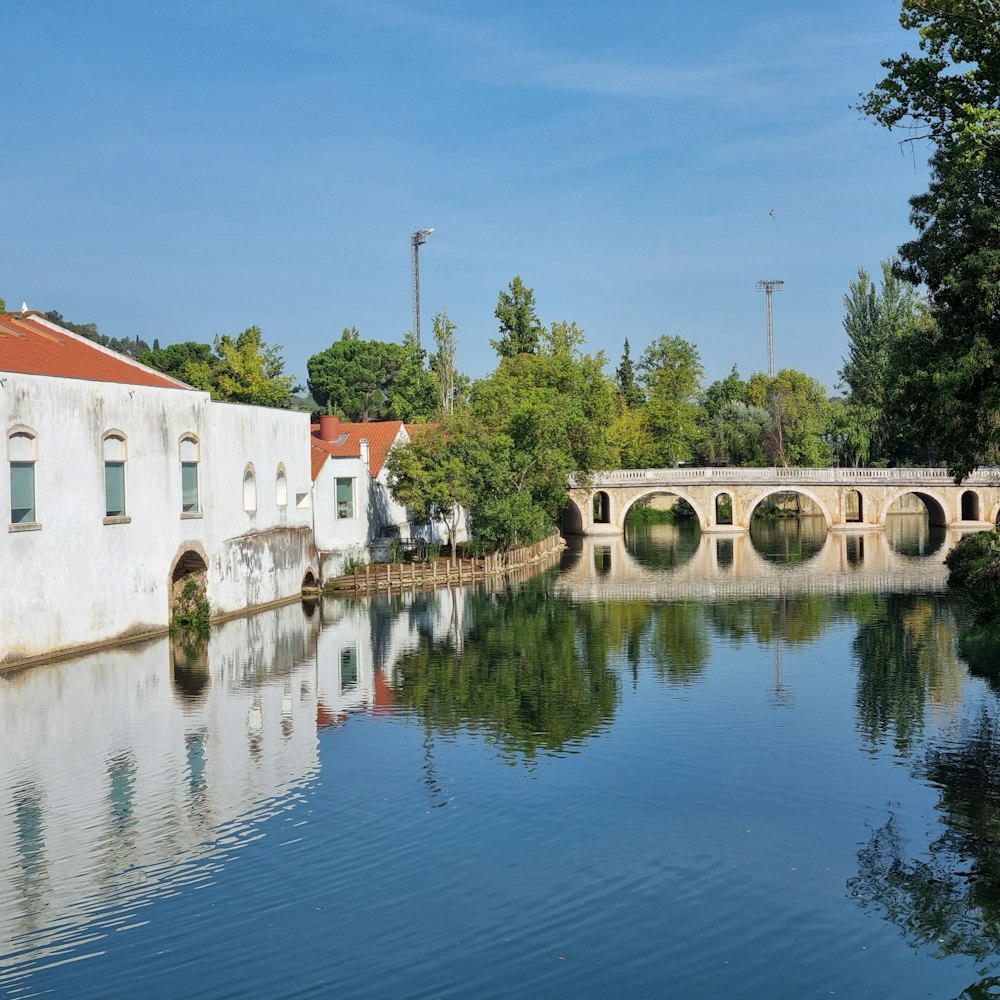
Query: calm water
(784, 784)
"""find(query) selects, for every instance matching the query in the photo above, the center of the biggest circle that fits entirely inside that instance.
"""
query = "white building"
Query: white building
(121, 482)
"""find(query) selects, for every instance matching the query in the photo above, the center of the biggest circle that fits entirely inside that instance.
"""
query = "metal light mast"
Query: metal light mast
(419, 237)
(768, 287)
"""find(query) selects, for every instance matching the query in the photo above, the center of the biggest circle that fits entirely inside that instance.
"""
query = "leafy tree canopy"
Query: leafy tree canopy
(249, 371)
(520, 329)
(364, 380)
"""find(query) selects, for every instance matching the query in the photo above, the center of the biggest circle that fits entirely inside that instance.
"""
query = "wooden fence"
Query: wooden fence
(442, 573)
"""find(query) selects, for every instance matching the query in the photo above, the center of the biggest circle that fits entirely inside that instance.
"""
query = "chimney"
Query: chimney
(363, 447)
(329, 428)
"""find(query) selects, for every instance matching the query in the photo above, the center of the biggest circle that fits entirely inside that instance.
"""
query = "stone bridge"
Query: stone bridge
(724, 499)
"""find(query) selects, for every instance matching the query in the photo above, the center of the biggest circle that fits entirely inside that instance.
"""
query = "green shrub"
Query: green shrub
(974, 569)
(192, 611)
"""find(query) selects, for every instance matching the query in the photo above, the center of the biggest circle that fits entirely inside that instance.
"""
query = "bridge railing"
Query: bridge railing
(731, 475)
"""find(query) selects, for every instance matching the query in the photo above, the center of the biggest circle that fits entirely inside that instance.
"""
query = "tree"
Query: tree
(798, 417)
(251, 372)
(364, 380)
(432, 474)
(442, 362)
(133, 347)
(520, 329)
(950, 96)
(875, 317)
(628, 391)
(189, 361)
(670, 373)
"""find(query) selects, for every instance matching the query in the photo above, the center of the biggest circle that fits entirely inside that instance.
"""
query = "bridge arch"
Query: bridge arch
(653, 491)
(937, 510)
(802, 491)
(970, 505)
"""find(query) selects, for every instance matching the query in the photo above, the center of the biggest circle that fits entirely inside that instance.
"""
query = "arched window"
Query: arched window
(281, 487)
(22, 453)
(249, 490)
(114, 454)
(190, 455)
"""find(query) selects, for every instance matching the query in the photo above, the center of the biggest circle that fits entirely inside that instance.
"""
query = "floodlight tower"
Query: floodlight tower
(419, 237)
(768, 287)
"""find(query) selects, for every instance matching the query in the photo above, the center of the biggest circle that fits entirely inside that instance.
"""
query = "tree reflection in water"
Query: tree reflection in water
(948, 899)
(905, 650)
(532, 674)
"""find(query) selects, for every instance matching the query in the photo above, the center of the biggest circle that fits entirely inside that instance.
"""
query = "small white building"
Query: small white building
(121, 483)
(352, 506)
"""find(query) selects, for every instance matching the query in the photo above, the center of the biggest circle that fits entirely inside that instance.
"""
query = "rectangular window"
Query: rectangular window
(22, 493)
(345, 498)
(189, 487)
(348, 668)
(114, 489)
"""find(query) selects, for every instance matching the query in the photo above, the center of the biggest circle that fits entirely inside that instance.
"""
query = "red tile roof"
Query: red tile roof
(322, 450)
(31, 345)
(380, 434)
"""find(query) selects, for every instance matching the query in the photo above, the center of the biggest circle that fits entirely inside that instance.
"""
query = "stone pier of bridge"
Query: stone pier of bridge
(724, 499)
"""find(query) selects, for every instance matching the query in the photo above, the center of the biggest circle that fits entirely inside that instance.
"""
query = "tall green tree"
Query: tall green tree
(520, 328)
(670, 373)
(875, 317)
(442, 362)
(949, 95)
(628, 390)
(798, 417)
(249, 371)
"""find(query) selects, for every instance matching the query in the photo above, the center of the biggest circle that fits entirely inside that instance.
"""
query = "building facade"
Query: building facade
(122, 484)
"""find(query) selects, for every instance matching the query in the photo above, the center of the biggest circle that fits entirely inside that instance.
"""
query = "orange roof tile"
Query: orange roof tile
(380, 434)
(322, 450)
(32, 345)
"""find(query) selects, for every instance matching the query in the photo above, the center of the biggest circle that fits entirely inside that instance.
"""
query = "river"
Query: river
(674, 766)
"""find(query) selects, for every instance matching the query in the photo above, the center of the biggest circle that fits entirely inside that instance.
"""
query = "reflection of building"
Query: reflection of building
(122, 483)
(121, 768)
(126, 772)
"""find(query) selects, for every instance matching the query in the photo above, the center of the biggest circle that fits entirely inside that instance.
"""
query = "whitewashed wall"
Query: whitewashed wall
(74, 579)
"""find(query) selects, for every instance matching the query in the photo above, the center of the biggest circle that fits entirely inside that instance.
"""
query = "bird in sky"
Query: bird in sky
(771, 213)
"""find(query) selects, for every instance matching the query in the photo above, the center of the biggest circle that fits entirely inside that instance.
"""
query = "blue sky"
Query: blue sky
(187, 169)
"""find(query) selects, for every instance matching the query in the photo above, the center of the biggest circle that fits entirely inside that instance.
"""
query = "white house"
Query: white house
(354, 513)
(352, 505)
(122, 482)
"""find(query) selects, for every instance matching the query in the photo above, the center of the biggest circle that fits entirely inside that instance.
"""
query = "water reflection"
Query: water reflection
(946, 896)
(906, 650)
(789, 540)
(912, 534)
(133, 774)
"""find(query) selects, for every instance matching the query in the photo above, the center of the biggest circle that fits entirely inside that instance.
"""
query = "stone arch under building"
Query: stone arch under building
(601, 504)
(723, 504)
(190, 564)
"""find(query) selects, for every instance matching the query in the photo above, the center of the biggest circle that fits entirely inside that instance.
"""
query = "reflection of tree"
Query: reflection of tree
(903, 653)
(532, 673)
(679, 643)
(795, 620)
(948, 900)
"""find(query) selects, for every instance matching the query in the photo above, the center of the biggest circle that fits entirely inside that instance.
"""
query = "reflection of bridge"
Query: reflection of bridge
(847, 498)
(728, 566)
